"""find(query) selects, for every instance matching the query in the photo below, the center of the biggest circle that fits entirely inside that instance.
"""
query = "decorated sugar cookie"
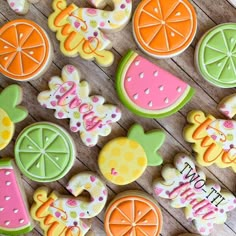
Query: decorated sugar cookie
(148, 90)
(203, 200)
(44, 152)
(133, 213)
(82, 31)
(123, 160)
(10, 113)
(69, 215)
(69, 96)
(21, 6)
(14, 215)
(25, 50)
(214, 140)
(228, 106)
(233, 2)
(163, 28)
(215, 55)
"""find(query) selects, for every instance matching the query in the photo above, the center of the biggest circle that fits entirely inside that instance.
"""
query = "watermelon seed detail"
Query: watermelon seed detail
(136, 96)
(147, 91)
(155, 73)
(7, 172)
(1, 208)
(161, 88)
(141, 75)
(8, 183)
(16, 211)
(7, 198)
(7, 222)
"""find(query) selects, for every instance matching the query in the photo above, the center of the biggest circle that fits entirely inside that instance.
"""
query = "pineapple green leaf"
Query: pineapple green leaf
(10, 98)
(150, 141)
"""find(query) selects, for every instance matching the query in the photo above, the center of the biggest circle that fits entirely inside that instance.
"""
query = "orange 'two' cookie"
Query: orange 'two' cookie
(25, 50)
(164, 28)
(133, 213)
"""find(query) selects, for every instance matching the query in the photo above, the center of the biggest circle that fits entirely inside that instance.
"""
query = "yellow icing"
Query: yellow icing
(6, 129)
(122, 161)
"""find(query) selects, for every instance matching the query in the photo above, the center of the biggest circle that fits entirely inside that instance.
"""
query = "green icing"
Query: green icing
(10, 98)
(150, 141)
(122, 69)
(44, 152)
(216, 55)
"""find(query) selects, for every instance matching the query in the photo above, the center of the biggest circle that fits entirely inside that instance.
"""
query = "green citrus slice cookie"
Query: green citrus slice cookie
(44, 152)
(215, 55)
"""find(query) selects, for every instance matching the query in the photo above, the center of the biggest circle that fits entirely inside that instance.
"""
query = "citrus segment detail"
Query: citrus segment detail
(24, 50)
(164, 28)
(44, 152)
(216, 55)
(133, 214)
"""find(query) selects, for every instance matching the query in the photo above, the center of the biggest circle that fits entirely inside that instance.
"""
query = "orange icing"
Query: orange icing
(164, 28)
(133, 215)
(24, 50)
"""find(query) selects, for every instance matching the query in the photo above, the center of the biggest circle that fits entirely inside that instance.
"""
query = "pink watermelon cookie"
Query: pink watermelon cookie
(149, 91)
(14, 215)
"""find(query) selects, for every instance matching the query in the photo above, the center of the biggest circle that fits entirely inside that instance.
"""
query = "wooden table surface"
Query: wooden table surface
(210, 13)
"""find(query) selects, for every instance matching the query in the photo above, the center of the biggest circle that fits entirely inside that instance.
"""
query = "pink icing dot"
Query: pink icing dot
(70, 69)
(202, 230)
(82, 214)
(102, 24)
(71, 202)
(57, 214)
(77, 24)
(92, 11)
(95, 99)
(53, 103)
(60, 114)
(228, 124)
(73, 129)
(88, 140)
(214, 137)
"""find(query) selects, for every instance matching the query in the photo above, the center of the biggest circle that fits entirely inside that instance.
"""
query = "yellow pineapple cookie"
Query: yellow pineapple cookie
(123, 160)
(10, 113)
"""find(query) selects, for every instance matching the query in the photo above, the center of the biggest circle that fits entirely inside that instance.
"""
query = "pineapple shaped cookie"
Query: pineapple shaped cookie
(10, 113)
(123, 160)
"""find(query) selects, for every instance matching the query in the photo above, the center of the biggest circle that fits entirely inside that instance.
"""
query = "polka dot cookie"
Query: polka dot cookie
(203, 200)
(123, 160)
(21, 7)
(10, 113)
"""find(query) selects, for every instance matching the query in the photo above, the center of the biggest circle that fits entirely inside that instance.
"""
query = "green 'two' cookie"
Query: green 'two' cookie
(44, 152)
(215, 55)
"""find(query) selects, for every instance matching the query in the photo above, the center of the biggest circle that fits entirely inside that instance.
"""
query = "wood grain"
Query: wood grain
(101, 80)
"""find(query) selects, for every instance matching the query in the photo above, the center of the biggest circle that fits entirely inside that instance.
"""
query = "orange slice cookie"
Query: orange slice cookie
(25, 50)
(133, 213)
(164, 28)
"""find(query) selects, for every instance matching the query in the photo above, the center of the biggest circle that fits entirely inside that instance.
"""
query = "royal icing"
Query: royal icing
(213, 139)
(21, 6)
(82, 31)
(133, 213)
(233, 2)
(215, 55)
(44, 152)
(123, 160)
(14, 215)
(164, 28)
(64, 215)
(10, 113)
(228, 106)
(148, 90)
(204, 202)
(25, 50)
(70, 98)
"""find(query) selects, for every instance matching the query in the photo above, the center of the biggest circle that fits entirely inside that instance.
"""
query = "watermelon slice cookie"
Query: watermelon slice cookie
(215, 55)
(44, 152)
(148, 90)
(14, 216)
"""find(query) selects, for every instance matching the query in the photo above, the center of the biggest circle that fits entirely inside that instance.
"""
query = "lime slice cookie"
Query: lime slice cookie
(44, 152)
(215, 55)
